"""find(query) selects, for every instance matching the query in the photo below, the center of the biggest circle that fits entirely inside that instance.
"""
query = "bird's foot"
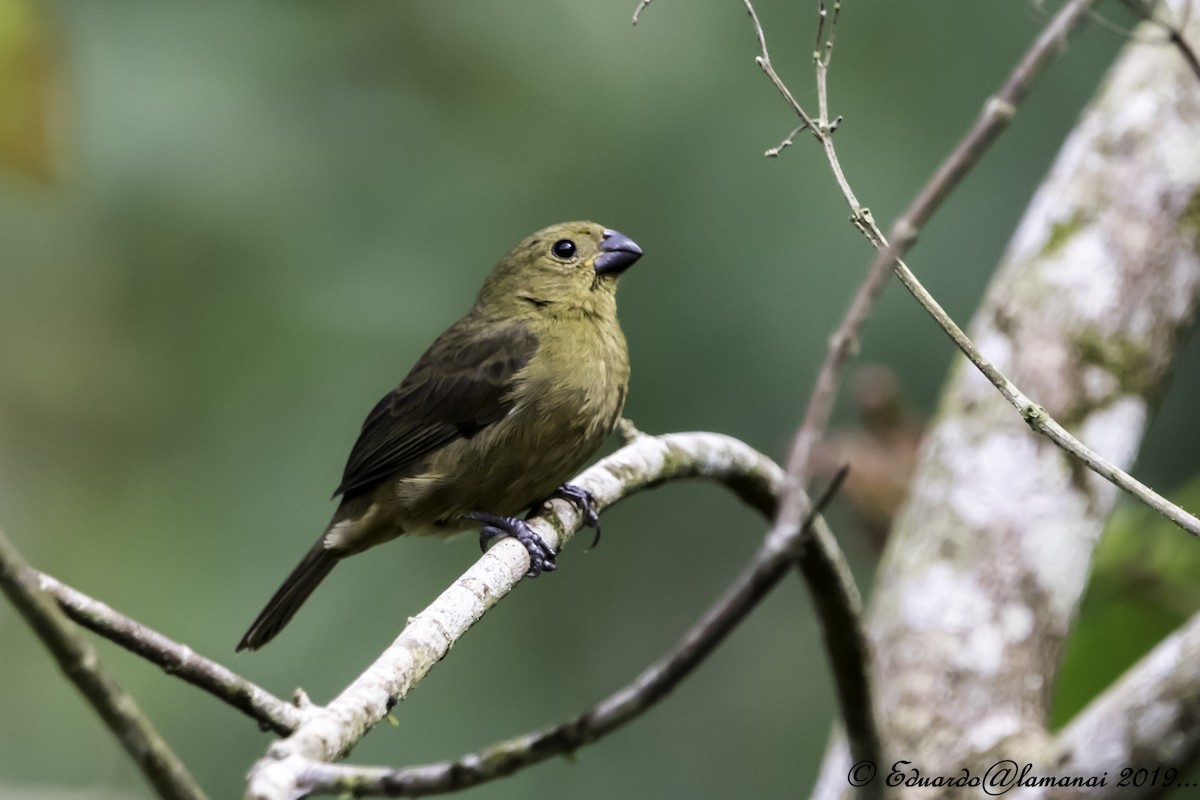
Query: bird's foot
(541, 555)
(585, 501)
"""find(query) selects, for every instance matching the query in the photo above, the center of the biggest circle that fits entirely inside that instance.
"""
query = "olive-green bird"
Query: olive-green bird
(499, 412)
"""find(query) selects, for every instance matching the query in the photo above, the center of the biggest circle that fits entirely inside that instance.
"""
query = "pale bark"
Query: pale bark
(328, 732)
(1087, 313)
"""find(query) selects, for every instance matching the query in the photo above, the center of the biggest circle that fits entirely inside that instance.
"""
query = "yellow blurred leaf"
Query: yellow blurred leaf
(28, 77)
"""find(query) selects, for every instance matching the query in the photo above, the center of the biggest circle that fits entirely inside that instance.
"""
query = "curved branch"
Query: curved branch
(331, 731)
(174, 658)
(648, 461)
(1151, 710)
(772, 561)
(78, 661)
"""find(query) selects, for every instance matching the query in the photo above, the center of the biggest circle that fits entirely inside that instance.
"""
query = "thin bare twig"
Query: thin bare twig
(764, 62)
(764, 572)
(788, 141)
(822, 56)
(998, 111)
(1037, 418)
(78, 661)
(637, 12)
(846, 641)
(174, 658)
(994, 117)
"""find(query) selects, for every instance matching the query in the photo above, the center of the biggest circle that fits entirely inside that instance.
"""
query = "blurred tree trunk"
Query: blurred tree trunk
(1088, 311)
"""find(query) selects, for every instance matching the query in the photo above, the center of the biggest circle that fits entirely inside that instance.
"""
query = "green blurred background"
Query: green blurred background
(257, 217)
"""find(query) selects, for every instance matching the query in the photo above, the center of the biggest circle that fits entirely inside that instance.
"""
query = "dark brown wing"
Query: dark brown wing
(459, 387)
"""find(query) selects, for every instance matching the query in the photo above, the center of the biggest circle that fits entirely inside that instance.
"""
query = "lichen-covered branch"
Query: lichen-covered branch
(327, 733)
(770, 564)
(1095, 295)
(1146, 720)
(174, 658)
(79, 662)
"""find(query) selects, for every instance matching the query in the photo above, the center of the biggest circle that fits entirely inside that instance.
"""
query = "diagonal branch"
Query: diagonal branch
(998, 111)
(78, 661)
(328, 733)
(769, 565)
(1152, 710)
(174, 658)
(1039, 420)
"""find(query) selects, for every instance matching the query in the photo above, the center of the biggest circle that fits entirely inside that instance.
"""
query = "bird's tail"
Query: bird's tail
(294, 591)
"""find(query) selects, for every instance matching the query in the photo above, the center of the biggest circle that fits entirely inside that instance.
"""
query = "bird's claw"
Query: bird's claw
(585, 501)
(541, 555)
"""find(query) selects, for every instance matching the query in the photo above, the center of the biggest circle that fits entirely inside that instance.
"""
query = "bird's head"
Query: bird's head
(569, 267)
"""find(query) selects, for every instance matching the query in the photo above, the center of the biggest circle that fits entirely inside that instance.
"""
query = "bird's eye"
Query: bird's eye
(563, 248)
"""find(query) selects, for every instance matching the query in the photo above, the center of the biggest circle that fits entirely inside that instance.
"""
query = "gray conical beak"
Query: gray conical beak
(617, 253)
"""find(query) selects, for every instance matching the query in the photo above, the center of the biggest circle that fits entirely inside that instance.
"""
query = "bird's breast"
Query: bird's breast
(564, 403)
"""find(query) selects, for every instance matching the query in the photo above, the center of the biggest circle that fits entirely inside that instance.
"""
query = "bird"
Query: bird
(505, 406)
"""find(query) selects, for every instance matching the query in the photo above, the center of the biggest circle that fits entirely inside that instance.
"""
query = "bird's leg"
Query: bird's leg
(585, 501)
(541, 555)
